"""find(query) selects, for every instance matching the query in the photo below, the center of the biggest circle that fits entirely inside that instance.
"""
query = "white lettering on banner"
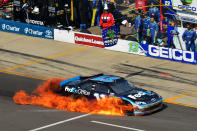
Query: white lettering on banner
(164, 52)
(10, 28)
(171, 53)
(34, 22)
(97, 42)
(82, 39)
(32, 32)
(111, 41)
(48, 34)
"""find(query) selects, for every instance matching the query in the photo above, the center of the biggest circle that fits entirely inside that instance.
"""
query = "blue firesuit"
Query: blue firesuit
(138, 25)
(155, 11)
(146, 26)
(153, 31)
(99, 11)
(190, 36)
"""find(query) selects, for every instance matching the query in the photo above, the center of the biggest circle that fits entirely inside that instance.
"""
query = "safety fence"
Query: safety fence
(96, 41)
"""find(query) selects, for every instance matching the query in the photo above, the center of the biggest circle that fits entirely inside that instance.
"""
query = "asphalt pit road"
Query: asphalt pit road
(6, 93)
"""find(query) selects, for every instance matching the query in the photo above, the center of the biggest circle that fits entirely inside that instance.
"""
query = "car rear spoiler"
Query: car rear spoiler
(87, 77)
(63, 83)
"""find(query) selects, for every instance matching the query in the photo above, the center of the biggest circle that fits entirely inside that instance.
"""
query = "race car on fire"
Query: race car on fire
(100, 86)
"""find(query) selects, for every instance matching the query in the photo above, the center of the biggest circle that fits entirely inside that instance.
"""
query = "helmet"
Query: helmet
(105, 7)
(35, 10)
(124, 22)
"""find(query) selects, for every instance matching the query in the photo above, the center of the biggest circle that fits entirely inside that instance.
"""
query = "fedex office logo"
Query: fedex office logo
(10, 28)
(169, 53)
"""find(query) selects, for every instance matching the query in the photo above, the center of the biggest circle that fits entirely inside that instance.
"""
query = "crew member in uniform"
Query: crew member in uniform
(107, 19)
(138, 27)
(154, 11)
(153, 30)
(189, 37)
(146, 28)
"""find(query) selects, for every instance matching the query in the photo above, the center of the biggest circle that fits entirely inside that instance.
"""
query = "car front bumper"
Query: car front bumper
(148, 109)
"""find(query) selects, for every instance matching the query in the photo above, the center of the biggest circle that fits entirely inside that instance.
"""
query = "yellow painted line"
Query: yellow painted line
(29, 63)
(173, 102)
(24, 75)
(179, 96)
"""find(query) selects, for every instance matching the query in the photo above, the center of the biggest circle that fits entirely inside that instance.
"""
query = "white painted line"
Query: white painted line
(60, 122)
(134, 129)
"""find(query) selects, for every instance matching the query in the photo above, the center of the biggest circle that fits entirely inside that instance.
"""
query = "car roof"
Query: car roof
(105, 78)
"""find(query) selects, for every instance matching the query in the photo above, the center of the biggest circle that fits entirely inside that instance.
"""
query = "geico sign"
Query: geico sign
(10, 28)
(171, 53)
(187, 7)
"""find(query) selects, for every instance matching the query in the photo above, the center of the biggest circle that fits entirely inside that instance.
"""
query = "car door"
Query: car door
(100, 91)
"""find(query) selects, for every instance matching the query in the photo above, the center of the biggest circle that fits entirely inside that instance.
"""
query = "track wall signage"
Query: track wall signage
(110, 36)
(97, 41)
(156, 52)
(86, 39)
(26, 29)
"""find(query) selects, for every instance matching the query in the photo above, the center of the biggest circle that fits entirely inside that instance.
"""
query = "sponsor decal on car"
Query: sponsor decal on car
(90, 40)
(77, 91)
(139, 94)
(110, 36)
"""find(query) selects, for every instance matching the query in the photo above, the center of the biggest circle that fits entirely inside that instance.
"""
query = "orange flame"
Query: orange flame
(45, 95)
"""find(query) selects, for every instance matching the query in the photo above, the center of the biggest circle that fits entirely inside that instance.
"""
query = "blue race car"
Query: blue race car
(101, 86)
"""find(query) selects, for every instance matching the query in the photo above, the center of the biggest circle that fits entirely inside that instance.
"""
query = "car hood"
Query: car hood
(141, 96)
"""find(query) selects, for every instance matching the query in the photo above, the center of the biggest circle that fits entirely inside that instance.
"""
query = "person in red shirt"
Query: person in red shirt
(107, 19)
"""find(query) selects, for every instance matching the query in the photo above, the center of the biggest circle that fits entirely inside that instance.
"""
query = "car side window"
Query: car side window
(101, 88)
(86, 86)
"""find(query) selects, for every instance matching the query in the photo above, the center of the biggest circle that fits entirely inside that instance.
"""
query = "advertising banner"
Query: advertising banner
(190, 5)
(110, 36)
(91, 40)
(155, 51)
(26, 29)
(64, 35)
(185, 9)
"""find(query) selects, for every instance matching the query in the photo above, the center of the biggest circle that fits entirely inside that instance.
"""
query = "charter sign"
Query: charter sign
(10, 28)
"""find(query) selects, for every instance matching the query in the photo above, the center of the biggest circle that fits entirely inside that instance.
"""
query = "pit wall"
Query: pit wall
(26, 29)
(96, 41)
(127, 46)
